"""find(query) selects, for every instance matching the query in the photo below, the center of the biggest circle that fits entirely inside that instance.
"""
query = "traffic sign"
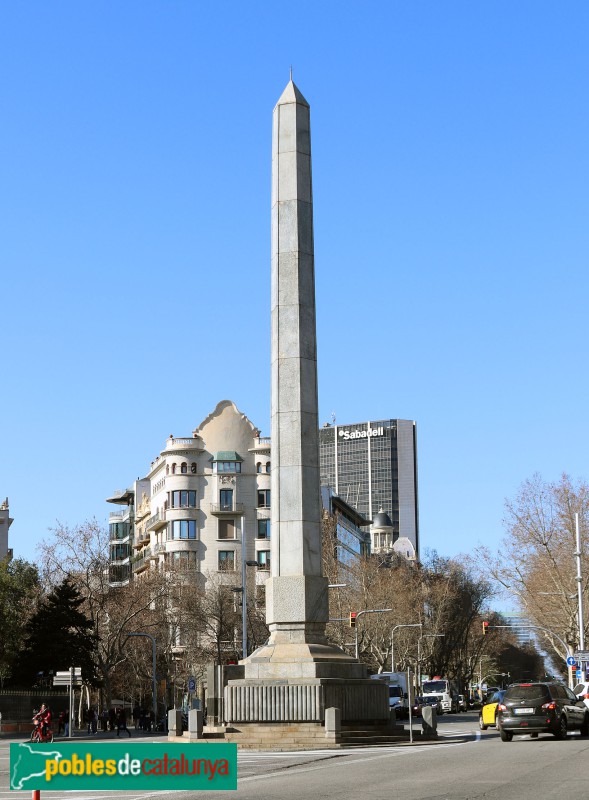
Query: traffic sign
(63, 678)
(582, 655)
(579, 675)
(191, 684)
(571, 661)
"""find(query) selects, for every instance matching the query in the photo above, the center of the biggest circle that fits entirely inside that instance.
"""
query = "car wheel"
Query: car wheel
(562, 731)
(482, 725)
(533, 735)
(506, 736)
(585, 726)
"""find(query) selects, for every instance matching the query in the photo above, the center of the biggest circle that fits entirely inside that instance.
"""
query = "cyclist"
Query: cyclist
(43, 719)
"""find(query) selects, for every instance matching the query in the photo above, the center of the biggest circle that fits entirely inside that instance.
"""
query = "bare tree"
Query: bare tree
(81, 554)
(536, 562)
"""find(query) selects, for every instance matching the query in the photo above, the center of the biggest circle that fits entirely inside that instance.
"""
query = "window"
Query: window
(193, 468)
(173, 469)
(226, 529)
(259, 466)
(267, 466)
(226, 466)
(226, 499)
(263, 529)
(186, 498)
(183, 529)
(226, 560)
(264, 559)
(184, 468)
(263, 498)
(183, 561)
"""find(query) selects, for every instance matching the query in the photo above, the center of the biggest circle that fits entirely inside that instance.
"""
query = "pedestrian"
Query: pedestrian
(94, 720)
(136, 716)
(61, 723)
(112, 718)
(122, 721)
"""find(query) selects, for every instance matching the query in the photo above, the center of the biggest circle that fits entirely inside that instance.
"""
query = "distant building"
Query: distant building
(350, 542)
(203, 497)
(518, 621)
(5, 523)
(372, 466)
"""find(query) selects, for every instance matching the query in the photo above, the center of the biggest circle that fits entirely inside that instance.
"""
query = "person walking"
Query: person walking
(122, 721)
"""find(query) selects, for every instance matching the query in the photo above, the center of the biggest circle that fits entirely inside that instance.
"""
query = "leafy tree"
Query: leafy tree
(57, 636)
(19, 590)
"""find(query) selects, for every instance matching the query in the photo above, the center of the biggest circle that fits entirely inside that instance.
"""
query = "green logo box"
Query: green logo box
(118, 767)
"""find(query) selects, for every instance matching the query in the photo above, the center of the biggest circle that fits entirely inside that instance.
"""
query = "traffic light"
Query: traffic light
(353, 615)
(485, 627)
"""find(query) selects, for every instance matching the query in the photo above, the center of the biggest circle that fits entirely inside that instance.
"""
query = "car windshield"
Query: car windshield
(526, 692)
(580, 688)
(395, 691)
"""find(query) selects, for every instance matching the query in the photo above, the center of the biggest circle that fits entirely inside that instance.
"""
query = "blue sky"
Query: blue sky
(451, 169)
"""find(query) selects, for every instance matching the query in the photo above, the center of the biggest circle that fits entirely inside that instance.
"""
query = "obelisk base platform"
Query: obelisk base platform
(305, 700)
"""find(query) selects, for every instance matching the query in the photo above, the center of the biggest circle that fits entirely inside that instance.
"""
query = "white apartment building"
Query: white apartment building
(203, 497)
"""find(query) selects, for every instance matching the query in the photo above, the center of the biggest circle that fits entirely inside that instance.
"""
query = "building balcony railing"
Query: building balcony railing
(261, 444)
(223, 510)
(140, 560)
(158, 520)
(159, 548)
(184, 443)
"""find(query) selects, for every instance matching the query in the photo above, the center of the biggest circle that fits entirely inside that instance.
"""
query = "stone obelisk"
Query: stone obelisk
(298, 673)
(296, 594)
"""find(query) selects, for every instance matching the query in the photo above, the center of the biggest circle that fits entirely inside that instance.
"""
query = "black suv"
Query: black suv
(535, 708)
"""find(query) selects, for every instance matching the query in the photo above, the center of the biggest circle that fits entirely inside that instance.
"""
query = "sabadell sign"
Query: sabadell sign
(361, 434)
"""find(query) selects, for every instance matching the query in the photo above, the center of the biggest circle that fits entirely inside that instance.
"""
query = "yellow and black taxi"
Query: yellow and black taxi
(488, 715)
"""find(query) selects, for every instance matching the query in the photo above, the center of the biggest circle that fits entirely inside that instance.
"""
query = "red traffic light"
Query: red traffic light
(353, 615)
(485, 627)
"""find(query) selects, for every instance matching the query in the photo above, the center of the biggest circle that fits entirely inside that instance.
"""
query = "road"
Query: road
(466, 764)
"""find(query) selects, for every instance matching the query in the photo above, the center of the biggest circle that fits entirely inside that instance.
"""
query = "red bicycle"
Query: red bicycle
(37, 734)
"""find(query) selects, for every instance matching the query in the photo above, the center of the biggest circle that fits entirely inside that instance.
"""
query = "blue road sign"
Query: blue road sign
(191, 684)
(579, 675)
(571, 661)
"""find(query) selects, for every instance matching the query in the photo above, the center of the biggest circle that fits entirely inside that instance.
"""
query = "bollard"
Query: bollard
(333, 722)
(175, 721)
(195, 723)
(36, 794)
(429, 723)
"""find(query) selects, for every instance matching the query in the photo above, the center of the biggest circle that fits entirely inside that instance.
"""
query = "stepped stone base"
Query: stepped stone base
(309, 736)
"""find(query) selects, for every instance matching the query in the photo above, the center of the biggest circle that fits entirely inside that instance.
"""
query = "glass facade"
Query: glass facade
(373, 465)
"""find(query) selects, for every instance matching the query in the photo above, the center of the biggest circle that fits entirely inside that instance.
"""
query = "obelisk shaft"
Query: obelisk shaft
(296, 505)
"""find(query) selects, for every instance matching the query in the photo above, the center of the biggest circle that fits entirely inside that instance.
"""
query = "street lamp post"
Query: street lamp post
(579, 580)
(367, 611)
(412, 625)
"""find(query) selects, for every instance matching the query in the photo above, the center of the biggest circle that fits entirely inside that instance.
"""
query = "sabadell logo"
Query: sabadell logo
(361, 434)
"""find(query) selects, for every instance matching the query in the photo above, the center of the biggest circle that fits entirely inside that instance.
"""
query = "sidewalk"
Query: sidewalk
(81, 735)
